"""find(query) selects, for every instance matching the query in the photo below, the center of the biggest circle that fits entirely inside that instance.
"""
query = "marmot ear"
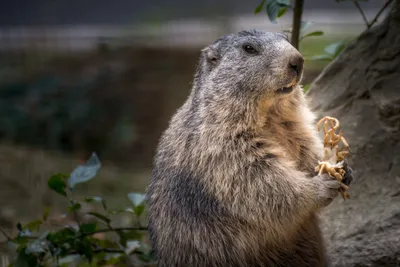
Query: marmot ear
(210, 54)
(285, 34)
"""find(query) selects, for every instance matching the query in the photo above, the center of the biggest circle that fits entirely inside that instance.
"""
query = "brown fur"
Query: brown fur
(232, 182)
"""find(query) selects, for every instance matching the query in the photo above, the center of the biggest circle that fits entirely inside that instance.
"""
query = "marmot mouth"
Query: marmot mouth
(287, 89)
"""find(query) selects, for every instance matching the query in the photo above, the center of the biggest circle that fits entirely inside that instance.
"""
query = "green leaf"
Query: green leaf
(334, 49)
(306, 87)
(114, 260)
(104, 243)
(57, 184)
(276, 9)
(136, 198)
(67, 234)
(133, 235)
(145, 253)
(122, 238)
(285, 3)
(273, 10)
(118, 211)
(131, 246)
(321, 57)
(98, 200)
(282, 12)
(259, 7)
(11, 245)
(138, 210)
(85, 248)
(33, 226)
(98, 259)
(22, 232)
(304, 25)
(21, 240)
(84, 173)
(38, 245)
(46, 213)
(338, 51)
(316, 33)
(88, 227)
(69, 260)
(26, 260)
(74, 207)
(100, 216)
(145, 256)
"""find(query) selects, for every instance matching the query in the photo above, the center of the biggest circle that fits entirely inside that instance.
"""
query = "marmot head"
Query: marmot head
(249, 64)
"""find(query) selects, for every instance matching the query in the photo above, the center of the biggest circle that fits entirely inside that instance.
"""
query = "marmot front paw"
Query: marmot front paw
(348, 176)
(327, 189)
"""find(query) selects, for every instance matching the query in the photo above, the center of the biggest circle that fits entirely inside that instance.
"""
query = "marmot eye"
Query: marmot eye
(249, 49)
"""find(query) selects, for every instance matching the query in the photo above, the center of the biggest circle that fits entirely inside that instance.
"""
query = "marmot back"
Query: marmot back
(233, 181)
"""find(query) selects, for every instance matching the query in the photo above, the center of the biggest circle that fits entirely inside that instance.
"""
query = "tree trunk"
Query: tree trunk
(362, 89)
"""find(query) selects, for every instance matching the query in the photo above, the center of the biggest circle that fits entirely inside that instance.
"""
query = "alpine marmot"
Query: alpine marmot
(233, 182)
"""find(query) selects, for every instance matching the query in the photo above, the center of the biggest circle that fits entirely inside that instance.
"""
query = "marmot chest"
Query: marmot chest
(291, 138)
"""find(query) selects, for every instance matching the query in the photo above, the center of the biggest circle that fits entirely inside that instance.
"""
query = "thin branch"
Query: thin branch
(297, 13)
(116, 229)
(362, 13)
(106, 250)
(387, 3)
(108, 230)
(76, 215)
(5, 235)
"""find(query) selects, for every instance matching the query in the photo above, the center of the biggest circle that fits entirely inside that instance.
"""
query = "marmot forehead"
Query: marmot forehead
(261, 35)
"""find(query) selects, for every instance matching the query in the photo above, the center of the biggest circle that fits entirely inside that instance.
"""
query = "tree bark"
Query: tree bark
(362, 89)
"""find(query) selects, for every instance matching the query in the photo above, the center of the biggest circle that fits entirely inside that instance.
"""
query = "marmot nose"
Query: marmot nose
(296, 63)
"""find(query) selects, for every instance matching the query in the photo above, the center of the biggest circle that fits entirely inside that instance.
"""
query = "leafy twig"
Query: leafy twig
(110, 228)
(387, 3)
(85, 233)
(75, 212)
(362, 13)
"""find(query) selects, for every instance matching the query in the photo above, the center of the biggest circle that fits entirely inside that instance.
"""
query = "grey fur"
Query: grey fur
(232, 183)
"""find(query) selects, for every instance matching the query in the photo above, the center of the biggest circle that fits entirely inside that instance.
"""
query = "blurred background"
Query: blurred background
(78, 77)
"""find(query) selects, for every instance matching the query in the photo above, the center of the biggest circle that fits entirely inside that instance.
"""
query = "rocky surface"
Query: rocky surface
(362, 89)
